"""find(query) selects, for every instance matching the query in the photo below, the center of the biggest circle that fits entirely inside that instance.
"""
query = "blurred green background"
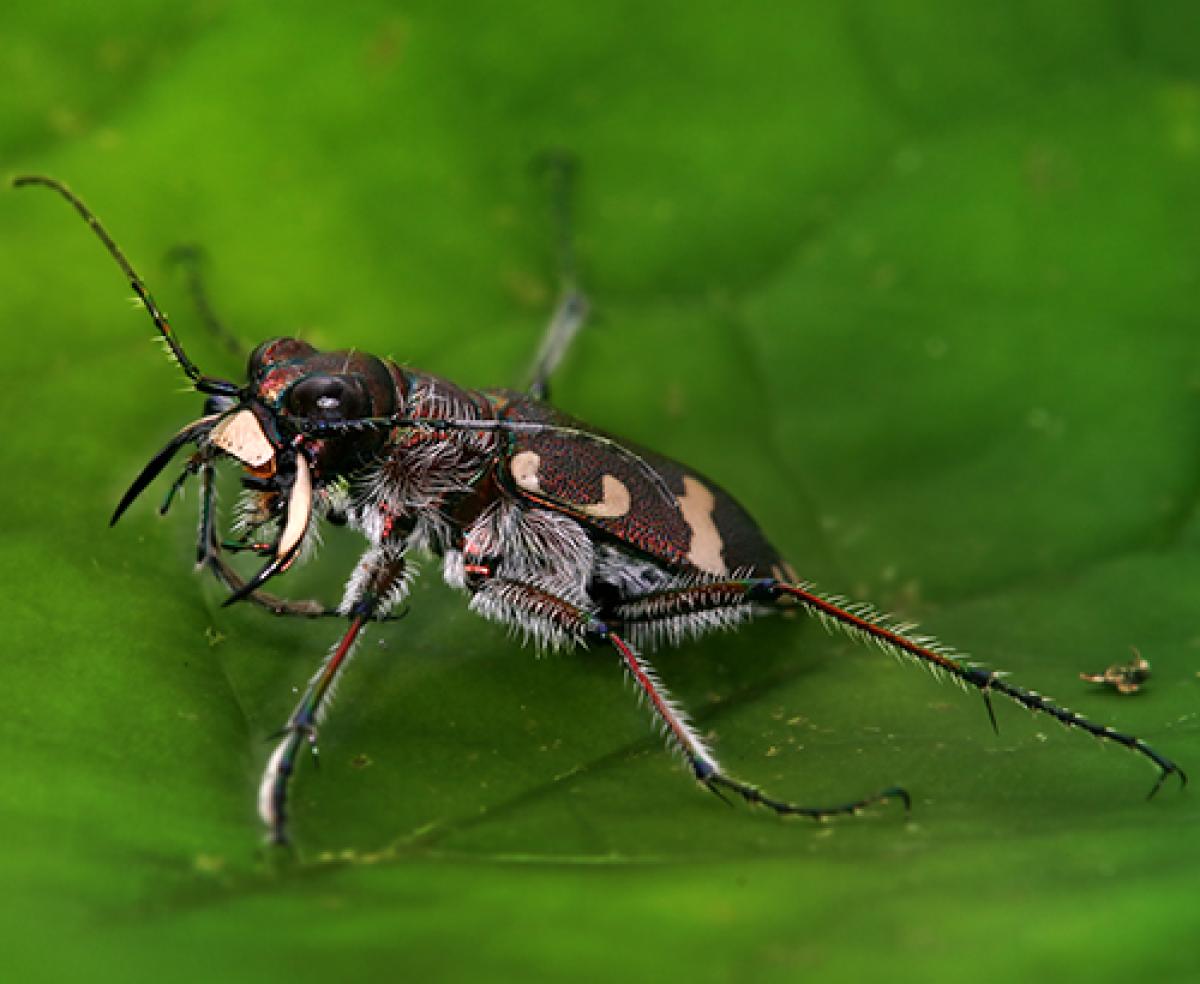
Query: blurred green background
(916, 281)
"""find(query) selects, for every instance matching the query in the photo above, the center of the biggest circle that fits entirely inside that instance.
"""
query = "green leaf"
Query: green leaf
(917, 284)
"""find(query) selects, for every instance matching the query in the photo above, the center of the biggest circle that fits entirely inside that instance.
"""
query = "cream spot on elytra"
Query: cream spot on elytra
(613, 503)
(524, 467)
(697, 504)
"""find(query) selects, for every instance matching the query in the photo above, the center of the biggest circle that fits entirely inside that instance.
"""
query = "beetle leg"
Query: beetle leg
(704, 764)
(569, 316)
(553, 619)
(377, 584)
(231, 579)
(572, 308)
(301, 730)
(697, 608)
(297, 521)
(208, 554)
(190, 468)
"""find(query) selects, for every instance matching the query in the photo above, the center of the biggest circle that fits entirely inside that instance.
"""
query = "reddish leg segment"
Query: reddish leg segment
(661, 610)
(374, 587)
(300, 730)
(705, 766)
(514, 602)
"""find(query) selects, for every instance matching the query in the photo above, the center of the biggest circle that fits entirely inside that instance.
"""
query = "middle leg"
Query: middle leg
(554, 620)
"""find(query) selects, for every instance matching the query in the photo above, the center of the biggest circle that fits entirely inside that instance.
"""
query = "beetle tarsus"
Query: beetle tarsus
(1166, 768)
(754, 795)
(713, 788)
(991, 711)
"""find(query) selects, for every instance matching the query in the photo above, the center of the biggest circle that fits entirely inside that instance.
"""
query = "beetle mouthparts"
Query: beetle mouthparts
(241, 436)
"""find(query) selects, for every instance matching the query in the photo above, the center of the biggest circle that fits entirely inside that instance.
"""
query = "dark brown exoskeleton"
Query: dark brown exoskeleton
(550, 526)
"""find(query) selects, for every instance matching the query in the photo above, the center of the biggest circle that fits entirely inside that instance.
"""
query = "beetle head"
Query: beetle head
(290, 427)
(296, 397)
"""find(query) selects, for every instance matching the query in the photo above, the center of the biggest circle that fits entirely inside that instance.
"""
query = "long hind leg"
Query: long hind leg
(705, 766)
(554, 619)
(681, 612)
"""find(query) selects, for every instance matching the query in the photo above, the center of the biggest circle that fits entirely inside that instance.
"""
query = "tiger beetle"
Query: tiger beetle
(565, 534)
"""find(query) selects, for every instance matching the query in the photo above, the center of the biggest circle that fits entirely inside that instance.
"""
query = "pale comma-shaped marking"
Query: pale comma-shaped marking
(615, 499)
(697, 504)
(524, 468)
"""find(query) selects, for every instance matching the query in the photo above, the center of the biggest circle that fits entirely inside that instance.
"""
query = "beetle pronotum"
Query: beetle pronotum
(550, 526)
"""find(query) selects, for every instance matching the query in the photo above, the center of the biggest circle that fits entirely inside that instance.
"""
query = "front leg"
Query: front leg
(378, 583)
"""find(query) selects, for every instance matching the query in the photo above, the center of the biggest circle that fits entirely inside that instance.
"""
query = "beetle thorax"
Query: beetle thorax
(420, 475)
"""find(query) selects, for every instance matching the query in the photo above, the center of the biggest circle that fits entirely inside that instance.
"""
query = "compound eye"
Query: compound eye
(327, 398)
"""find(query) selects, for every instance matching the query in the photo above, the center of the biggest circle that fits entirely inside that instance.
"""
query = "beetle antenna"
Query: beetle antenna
(204, 384)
